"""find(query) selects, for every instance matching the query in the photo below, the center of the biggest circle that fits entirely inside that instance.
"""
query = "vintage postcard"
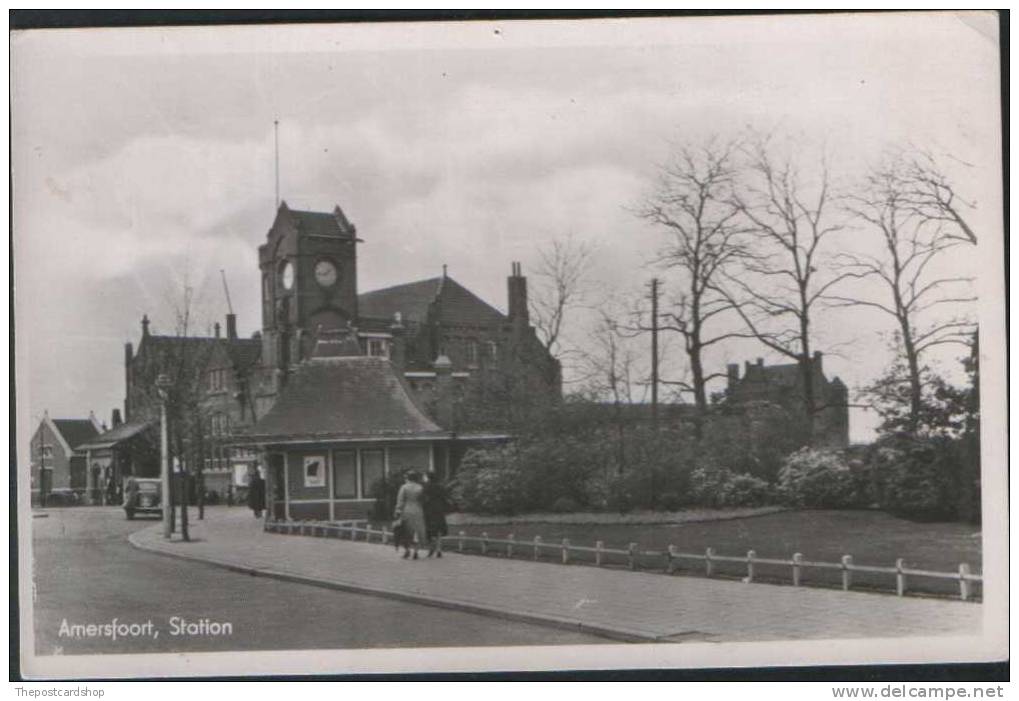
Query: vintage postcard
(509, 345)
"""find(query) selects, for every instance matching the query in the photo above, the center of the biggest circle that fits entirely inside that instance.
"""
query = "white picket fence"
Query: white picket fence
(632, 555)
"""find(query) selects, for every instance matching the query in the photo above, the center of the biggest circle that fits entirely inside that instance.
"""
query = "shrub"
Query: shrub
(921, 478)
(717, 486)
(746, 490)
(818, 479)
(564, 505)
(490, 482)
(670, 501)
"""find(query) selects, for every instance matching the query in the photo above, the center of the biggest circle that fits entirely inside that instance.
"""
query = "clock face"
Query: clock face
(288, 276)
(325, 273)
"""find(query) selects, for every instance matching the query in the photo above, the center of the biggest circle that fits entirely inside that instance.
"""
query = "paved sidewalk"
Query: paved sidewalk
(638, 606)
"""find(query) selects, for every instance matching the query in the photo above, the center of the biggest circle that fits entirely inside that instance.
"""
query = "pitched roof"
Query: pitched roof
(457, 304)
(410, 299)
(76, 431)
(116, 435)
(190, 344)
(322, 223)
(343, 398)
(244, 352)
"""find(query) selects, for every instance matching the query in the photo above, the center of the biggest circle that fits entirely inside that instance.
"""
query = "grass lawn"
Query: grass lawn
(871, 537)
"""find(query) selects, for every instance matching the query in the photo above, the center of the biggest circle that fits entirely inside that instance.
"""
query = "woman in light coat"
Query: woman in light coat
(410, 509)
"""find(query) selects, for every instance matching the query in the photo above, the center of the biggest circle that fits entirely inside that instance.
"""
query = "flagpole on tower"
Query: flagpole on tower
(276, 141)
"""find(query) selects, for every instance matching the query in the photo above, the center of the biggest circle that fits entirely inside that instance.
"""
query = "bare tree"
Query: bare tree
(786, 272)
(611, 369)
(692, 203)
(929, 194)
(560, 290)
(911, 240)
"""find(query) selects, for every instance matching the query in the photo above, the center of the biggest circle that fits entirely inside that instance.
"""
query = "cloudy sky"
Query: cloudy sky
(142, 156)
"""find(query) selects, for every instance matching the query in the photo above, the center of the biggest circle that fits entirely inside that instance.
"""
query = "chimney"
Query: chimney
(115, 419)
(732, 370)
(145, 325)
(231, 327)
(398, 348)
(819, 361)
(516, 284)
(444, 392)
(128, 355)
(216, 329)
(760, 362)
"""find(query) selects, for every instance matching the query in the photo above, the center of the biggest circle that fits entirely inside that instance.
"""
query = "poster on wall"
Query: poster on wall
(314, 471)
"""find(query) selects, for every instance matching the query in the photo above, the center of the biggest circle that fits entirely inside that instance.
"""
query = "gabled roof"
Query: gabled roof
(117, 434)
(333, 223)
(75, 431)
(410, 299)
(244, 352)
(189, 344)
(457, 304)
(344, 398)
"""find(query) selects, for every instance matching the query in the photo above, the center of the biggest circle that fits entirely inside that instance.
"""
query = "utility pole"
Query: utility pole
(163, 388)
(655, 282)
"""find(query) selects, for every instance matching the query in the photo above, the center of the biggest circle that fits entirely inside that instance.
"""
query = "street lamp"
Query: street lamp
(163, 388)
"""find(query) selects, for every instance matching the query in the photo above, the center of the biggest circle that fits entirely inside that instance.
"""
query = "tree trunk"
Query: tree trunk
(807, 373)
(915, 383)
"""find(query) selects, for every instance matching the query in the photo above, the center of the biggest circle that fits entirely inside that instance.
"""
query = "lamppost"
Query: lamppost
(163, 388)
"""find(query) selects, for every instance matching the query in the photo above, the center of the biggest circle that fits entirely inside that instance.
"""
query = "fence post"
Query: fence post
(509, 546)
(708, 566)
(670, 562)
(963, 582)
(566, 551)
(797, 564)
(460, 542)
(900, 578)
(847, 572)
(750, 565)
(597, 552)
(631, 556)
(537, 547)
(484, 542)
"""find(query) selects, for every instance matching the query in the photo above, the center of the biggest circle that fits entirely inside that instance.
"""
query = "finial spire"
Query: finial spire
(444, 270)
(276, 148)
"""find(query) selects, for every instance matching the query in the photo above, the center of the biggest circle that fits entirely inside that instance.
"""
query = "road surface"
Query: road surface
(87, 573)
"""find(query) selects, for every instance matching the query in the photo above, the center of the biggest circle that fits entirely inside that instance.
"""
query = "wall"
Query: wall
(330, 499)
(58, 461)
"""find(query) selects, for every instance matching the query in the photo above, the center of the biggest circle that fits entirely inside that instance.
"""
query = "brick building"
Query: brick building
(463, 363)
(57, 465)
(763, 390)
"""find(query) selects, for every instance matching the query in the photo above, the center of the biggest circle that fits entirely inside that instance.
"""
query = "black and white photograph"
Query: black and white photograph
(509, 345)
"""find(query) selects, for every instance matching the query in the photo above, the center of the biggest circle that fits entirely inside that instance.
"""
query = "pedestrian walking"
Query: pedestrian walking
(256, 494)
(410, 510)
(436, 506)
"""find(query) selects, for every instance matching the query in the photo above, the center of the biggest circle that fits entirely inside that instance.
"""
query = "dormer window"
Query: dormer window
(377, 347)
(217, 380)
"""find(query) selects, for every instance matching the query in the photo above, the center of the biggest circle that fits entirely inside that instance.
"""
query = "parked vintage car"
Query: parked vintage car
(143, 496)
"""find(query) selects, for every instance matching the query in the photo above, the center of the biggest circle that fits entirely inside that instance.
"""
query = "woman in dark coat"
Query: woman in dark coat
(256, 494)
(436, 504)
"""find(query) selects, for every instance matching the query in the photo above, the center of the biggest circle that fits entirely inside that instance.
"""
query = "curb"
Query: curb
(548, 620)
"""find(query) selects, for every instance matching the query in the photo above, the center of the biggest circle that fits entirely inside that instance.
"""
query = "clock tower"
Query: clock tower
(309, 282)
